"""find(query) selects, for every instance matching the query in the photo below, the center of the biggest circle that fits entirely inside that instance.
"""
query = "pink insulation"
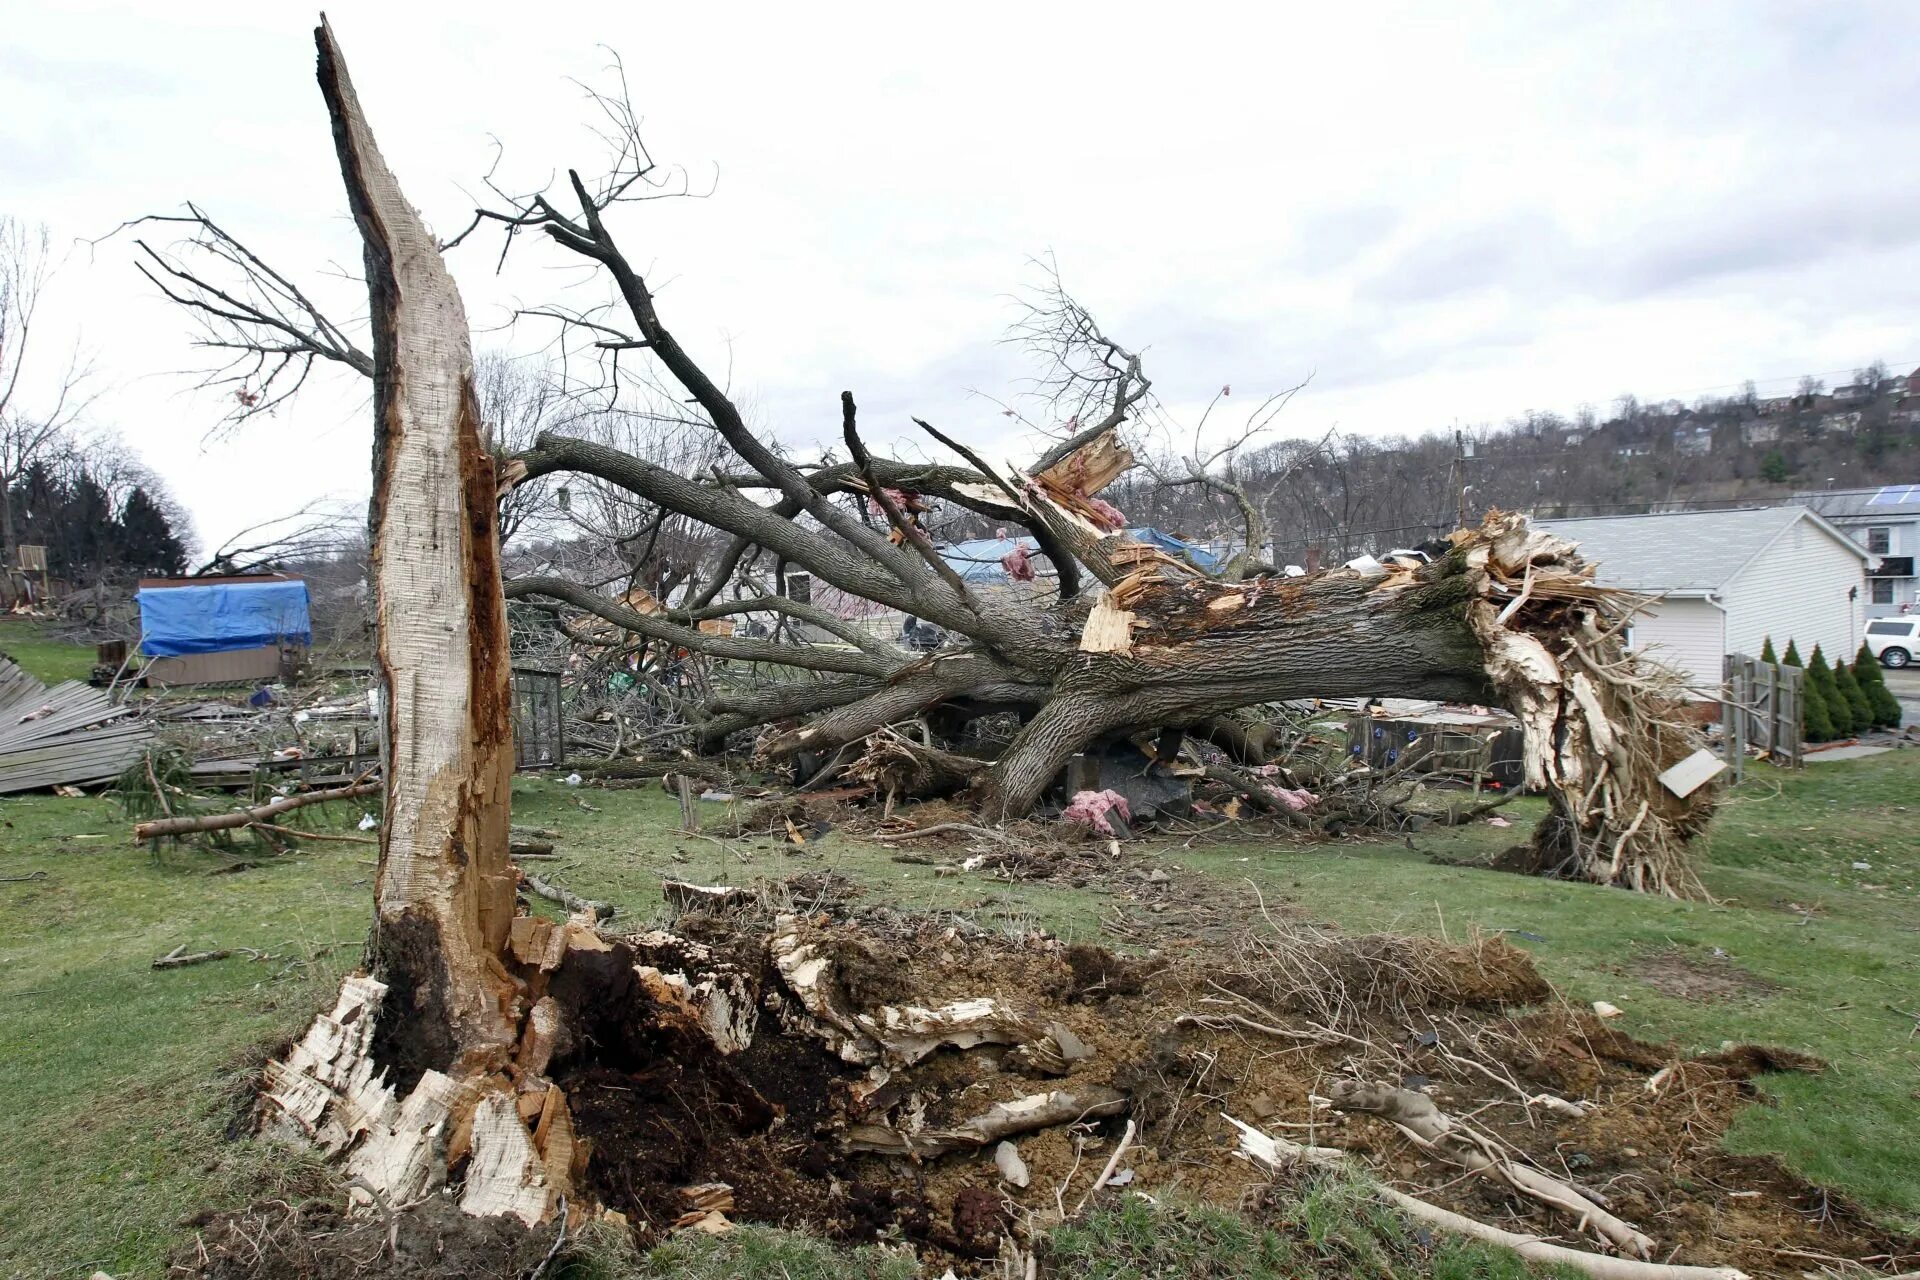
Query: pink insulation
(1090, 808)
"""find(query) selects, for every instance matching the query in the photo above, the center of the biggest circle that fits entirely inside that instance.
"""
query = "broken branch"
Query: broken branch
(262, 815)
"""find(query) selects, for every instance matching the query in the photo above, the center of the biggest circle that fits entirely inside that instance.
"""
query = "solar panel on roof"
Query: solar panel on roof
(1893, 495)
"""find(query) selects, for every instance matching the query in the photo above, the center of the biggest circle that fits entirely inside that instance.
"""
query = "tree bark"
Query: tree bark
(405, 1076)
(444, 887)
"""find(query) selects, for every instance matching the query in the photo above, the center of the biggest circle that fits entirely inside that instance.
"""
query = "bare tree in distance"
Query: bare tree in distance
(30, 428)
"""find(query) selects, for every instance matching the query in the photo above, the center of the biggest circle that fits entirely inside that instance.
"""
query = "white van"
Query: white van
(1893, 640)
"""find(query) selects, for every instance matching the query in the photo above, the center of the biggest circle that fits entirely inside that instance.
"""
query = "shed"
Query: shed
(1728, 581)
(222, 630)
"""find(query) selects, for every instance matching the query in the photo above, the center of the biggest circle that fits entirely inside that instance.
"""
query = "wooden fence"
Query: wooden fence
(1760, 710)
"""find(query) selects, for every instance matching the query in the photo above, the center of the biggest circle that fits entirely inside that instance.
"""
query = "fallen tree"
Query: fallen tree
(1132, 640)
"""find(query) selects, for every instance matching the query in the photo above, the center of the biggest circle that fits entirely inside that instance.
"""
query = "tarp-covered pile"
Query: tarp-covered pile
(222, 616)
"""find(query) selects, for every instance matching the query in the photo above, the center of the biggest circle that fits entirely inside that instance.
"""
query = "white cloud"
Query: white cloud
(1442, 214)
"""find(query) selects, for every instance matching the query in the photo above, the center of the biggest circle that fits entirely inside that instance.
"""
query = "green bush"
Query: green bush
(1839, 714)
(1766, 652)
(1873, 683)
(1857, 702)
(1816, 725)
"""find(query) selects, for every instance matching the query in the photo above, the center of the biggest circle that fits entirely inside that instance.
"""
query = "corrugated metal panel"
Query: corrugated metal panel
(67, 735)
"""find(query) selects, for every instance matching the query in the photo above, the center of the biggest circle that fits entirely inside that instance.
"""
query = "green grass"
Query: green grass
(620, 854)
(27, 642)
(1328, 1226)
(117, 1079)
(1832, 945)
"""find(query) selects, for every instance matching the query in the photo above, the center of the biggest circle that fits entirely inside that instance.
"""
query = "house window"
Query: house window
(800, 588)
(1882, 589)
(1880, 539)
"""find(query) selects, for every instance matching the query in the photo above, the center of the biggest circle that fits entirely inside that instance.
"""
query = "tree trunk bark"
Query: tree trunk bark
(444, 889)
(407, 1074)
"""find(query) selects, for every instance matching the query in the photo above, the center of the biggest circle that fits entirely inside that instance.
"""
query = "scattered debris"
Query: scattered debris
(68, 735)
(1092, 809)
(1006, 1157)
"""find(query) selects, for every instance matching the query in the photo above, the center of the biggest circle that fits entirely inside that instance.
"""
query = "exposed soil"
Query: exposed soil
(659, 1108)
(315, 1240)
(1693, 976)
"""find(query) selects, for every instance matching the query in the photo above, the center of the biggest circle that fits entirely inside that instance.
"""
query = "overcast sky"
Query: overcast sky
(1441, 213)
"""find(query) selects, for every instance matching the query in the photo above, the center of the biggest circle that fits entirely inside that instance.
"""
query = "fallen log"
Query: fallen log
(180, 958)
(261, 815)
(1273, 1152)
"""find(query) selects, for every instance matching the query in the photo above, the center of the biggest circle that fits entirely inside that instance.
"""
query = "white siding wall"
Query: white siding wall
(1903, 539)
(1687, 636)
(1796, 590)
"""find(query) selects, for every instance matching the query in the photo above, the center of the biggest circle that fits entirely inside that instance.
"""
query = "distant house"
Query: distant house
(1759, 431)
(1727, 581)
(1854, 393)
(1886, 521)
(1913, 383)
(1693, 442)
(1774, 406)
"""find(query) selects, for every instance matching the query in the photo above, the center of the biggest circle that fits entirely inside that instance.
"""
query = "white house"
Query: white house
(1729, 580)
(1886, 521)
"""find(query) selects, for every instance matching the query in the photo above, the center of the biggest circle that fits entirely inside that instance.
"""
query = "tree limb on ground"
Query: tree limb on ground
(262, 815)
(1440, 1135)
(1275, 1152)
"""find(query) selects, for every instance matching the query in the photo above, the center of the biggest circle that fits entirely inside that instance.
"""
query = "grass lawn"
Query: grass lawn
(118, 1079)
(26, 642)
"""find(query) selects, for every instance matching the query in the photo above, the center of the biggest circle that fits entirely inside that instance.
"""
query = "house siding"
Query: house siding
(1797, 589)
(1686, 635)
(1903, 540)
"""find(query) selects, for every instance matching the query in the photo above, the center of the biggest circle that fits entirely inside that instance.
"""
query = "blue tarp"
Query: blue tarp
(222, 616)
(978, 559)
(1196, 555)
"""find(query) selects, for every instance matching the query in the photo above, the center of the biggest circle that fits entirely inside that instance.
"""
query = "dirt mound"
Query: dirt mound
(317, 1240)
(853, 1072)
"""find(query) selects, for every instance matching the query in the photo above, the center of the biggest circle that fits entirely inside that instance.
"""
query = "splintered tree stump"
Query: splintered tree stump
(406, 1071)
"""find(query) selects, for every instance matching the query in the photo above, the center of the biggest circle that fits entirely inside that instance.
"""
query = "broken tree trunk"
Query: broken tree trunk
(444, 889)
(413, 1053)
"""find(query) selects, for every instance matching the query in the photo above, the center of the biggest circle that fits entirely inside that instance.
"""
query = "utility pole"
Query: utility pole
(1462, 454)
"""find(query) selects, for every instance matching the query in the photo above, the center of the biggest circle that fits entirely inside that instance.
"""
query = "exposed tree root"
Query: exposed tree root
(1437, 1133)
(1275, 1152)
